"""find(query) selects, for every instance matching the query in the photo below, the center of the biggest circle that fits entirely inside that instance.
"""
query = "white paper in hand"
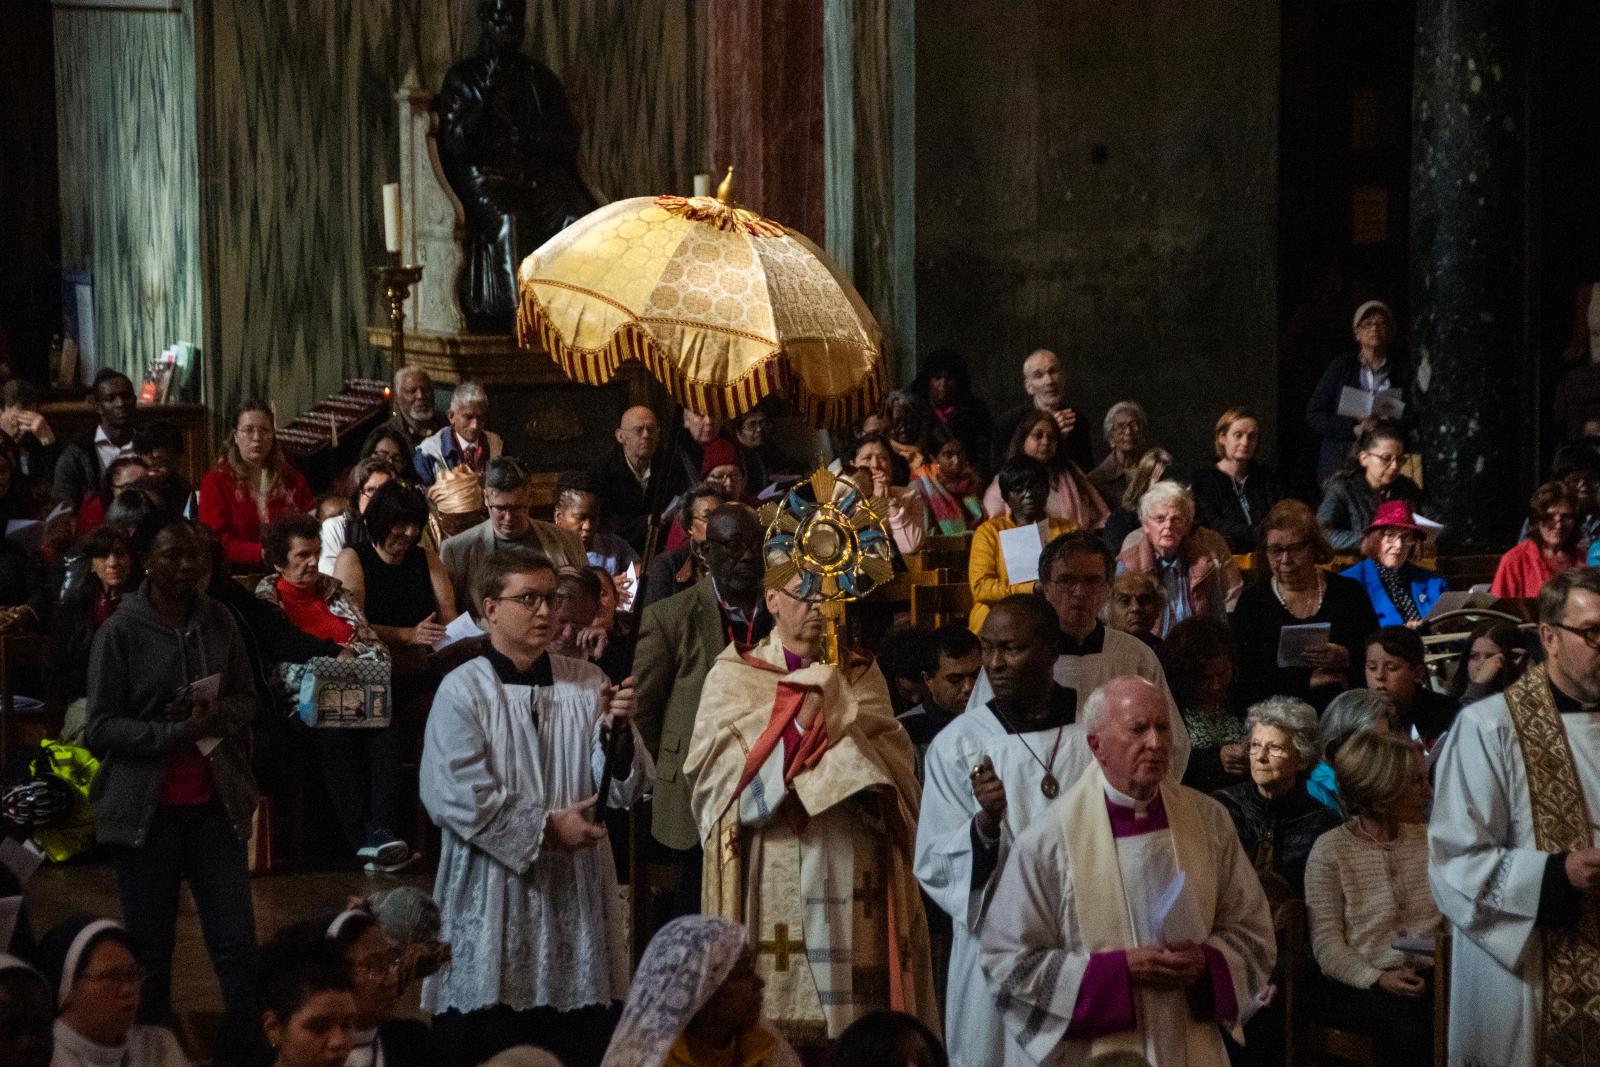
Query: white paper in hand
(627, 587)
(460, 628)
(1020, 548)
(1295, 642)
(1354, 403)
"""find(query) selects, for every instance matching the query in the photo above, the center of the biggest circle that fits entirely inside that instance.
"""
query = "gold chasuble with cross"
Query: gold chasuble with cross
(808, 836)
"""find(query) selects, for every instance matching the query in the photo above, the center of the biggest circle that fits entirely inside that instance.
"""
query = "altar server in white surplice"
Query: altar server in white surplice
(991, 773)
(1075, 577)
(1511, 844)
(1128, 916)
(513, 758)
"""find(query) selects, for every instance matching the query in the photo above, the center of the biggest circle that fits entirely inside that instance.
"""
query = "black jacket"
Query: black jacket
(1289, 826)
(78, 470)
(1322, 410)
(1217, 506)
(625, 501)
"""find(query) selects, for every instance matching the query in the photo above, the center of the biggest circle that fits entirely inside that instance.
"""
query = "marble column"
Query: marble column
(1467, 263)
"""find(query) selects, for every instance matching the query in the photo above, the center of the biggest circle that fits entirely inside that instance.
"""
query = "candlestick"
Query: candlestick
(702, 185)
(391, 217)
(396, 279)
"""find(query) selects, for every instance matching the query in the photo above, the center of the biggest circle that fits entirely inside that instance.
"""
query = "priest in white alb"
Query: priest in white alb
(806, 797)
(513, 759)
(1128, 917)
(1512, 856)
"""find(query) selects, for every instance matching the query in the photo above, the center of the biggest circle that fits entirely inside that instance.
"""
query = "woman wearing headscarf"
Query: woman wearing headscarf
(95, 979)
(696, 1002)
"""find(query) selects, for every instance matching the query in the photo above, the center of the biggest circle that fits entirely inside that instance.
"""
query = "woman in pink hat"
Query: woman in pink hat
(1550, 548)
(1401, 592)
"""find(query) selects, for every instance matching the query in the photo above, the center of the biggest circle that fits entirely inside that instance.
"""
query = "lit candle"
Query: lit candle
(702, 185)
(391, 216)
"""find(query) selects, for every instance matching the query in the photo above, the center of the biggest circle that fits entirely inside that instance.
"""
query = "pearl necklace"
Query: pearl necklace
(1322, 590)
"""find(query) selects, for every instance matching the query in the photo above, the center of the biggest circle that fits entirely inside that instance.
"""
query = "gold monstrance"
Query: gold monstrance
(835, 541)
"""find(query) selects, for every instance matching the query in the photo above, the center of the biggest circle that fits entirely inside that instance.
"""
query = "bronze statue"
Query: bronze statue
(508, 144)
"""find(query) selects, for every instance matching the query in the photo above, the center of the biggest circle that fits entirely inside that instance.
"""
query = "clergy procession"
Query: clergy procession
(799, 533)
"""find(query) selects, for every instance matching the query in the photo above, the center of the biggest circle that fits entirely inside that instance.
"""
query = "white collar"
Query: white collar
(1141, 808)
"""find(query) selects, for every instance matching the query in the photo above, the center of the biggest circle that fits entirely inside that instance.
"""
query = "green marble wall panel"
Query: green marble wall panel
(129, 211)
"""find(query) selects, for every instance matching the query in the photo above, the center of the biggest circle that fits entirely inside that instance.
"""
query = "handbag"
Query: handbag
(345, 693)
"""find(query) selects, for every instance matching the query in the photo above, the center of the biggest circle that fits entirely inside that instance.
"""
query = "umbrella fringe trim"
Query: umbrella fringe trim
(597, 366)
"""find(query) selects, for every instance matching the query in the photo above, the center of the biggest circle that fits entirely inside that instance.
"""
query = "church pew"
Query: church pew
(933, 606)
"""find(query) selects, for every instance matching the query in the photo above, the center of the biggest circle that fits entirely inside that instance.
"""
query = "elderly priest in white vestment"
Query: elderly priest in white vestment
(512, 761)
(805, 792)
(991, 773)
(1512, 853)
(1129, 917)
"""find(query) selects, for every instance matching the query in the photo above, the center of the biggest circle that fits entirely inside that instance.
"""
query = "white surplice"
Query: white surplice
(975, 1035)
(529, 926)
(1033, 947)
(1486, 873)
(1121, 655)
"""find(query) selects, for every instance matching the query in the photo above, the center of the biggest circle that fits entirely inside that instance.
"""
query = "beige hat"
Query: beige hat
(1368, 308)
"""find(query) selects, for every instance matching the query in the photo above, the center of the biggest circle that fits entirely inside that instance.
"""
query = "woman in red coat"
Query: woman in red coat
(251, 485)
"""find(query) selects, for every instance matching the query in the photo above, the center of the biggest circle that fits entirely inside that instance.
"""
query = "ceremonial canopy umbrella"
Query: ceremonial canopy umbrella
(722, 306)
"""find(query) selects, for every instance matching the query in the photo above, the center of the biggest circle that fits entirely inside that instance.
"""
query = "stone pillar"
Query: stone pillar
(1467, 265)
(764, 108)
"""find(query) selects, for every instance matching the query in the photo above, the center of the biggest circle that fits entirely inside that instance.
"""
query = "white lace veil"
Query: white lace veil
(687, 961)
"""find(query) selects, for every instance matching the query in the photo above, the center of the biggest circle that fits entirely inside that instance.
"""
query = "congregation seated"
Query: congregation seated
(509, 525)
(574, 631)
(887, 1039)
(1136, 605)
(413, 422)
(1194, 566)
(96, 979)
(617, 659)
(878, 471)
(16, 497)
(1396, 667)
(125, 472)
(1235, 493)
(387, 443)
(1071, 495)
(1550, 547)
(722, 466)
(1025, 486)
(380, 971)
(696, 1001)
(251, 485)
(27, 435)
(1124, 518)
(1291, 589)
(1277, 819)
(1197, 658)
(1366, 888)
(949, 487)
(400, 586)
(85, 458)
(910, 420)
(348, 528)
(1127, 429)
(944, 384)
(677, 569)
(465, 439)
(628, 475)
(360, 768)
(306, 999)
(1401, 592)
(1352, 712)
(578, 510)
(84, 606)
(1495, 657)
(1373, 476)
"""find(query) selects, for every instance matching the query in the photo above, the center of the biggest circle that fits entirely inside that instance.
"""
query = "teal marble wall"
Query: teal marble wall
(222, 166)
(127, 149)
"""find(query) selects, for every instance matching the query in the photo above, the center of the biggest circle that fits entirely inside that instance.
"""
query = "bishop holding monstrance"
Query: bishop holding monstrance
(806, 797)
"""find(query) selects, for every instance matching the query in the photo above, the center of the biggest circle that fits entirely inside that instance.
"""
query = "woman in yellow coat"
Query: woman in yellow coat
(1025, 488)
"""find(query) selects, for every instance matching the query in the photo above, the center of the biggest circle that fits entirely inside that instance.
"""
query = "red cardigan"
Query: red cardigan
(231, 513)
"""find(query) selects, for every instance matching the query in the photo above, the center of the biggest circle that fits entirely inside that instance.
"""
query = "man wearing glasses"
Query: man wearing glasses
(515, 752)
(1514, 867)
(679, 638)
(509, 525)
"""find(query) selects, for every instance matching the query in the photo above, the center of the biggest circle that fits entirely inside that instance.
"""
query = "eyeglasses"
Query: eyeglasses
(532, 600)
(1271, 749)
(254, 431)
(122, 976)
(377, 966)
(1590, 634)
(1290, 549)
(1395, 459)
(1070, 581)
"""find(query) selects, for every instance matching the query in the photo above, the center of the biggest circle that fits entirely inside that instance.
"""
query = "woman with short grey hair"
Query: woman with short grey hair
(1127, 431)
(1192, 564)
(1277, 819)
(1347, 714)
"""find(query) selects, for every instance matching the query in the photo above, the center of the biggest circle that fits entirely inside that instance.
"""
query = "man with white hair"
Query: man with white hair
(415, 418)
(465, 442)
(1128, 917)
(1044, 379)
(1192, 564)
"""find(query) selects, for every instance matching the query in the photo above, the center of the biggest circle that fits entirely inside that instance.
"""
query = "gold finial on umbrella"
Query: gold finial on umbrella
(725, 188)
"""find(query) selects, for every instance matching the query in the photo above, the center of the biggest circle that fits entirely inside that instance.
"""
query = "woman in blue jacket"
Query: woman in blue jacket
(1401, 592)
